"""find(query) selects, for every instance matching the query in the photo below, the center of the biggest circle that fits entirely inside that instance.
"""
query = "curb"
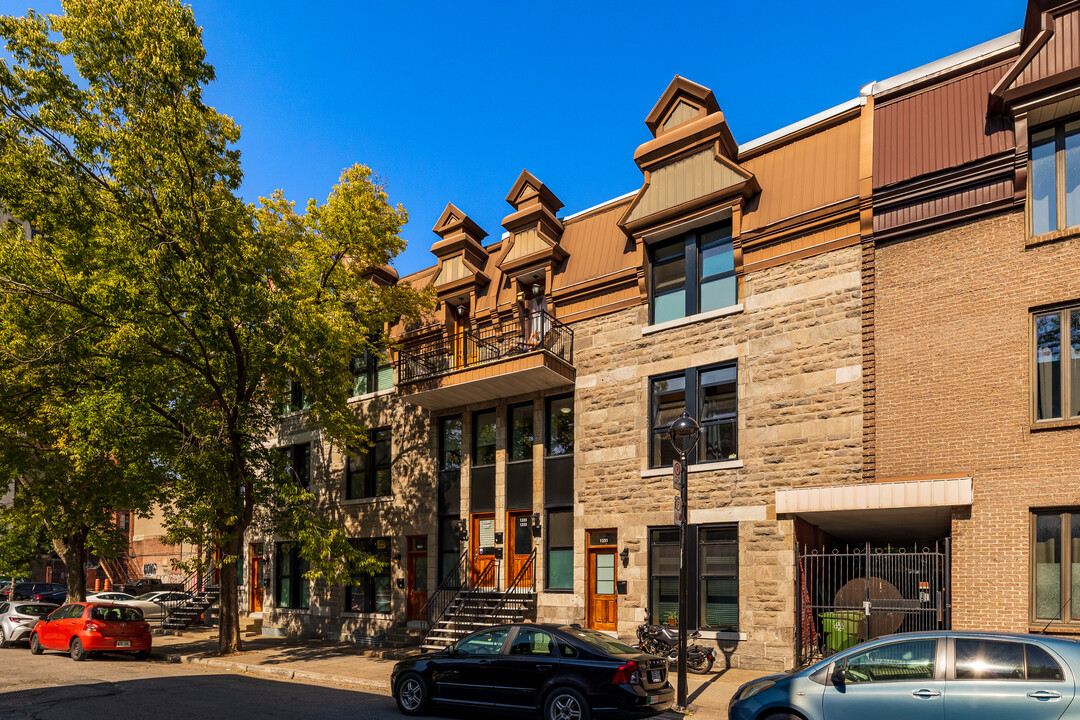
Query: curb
(279, 673)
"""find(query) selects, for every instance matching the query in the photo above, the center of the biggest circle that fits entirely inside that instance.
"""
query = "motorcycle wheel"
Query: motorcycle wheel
(698, 662)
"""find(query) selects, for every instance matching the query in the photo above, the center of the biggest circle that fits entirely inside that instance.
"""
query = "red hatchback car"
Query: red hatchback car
(83, 628)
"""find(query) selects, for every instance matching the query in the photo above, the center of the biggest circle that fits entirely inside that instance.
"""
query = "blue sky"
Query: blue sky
(449, 101)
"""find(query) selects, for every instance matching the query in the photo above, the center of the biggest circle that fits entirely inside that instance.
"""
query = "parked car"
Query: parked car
(954, 675)
(26, 590)
(17, 619)
(563, 670)
(145, 585)
(57, 597)
(83, 628)
(110, 596)
(156, 605)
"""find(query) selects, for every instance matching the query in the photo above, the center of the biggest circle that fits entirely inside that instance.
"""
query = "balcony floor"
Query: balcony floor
(519, 375)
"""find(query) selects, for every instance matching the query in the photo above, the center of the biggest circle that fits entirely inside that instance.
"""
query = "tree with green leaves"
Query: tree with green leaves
(200, 309)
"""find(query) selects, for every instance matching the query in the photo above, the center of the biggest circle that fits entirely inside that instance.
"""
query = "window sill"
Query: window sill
(1057, 628)
(721, 635)
(368, 616)
(294, 611)
(691, 319)
(1053, 236)
(1055, 424)
(371, 395)
(700, 467)
(368, 501)
(559, 592)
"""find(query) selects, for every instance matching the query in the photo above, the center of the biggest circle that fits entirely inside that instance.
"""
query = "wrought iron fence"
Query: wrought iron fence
(538, 332)
(859, 594)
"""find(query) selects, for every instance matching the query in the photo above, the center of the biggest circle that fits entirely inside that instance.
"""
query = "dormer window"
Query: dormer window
(1054, 202)
(695, 273)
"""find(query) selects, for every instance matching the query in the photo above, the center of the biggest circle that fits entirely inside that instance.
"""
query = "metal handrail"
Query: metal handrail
(193, 584)
(517, 587)
(537, 332)
(450, 587)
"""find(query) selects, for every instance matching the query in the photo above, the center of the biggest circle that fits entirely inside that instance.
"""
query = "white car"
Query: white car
(156, 605)
(109, 597)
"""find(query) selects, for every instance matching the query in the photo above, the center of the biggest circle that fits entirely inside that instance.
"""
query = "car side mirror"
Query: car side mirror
(839, 675)
(451, 650)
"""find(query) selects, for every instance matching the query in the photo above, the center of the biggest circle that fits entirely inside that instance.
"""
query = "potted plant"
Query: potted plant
(671, 617)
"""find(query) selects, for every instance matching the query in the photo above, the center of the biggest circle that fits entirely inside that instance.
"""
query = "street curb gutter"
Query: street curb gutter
(279, 673)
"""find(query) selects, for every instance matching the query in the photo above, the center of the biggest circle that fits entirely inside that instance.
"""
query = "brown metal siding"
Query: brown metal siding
(942, 127)
(1061, 52)
(597, 247)
(809, 173)
(943, 204)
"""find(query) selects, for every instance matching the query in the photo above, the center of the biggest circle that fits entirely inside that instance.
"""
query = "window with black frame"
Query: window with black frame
(693, 273)
(519, 466)
(372, 373)
(450, 432)
(291, 589)
(370, 592)
(367, 473)
(710, 395)
(482, 485)
(297, 399)
(718, 577)
(668, 400)
(663, 576)
(298, 463)
(559, 495)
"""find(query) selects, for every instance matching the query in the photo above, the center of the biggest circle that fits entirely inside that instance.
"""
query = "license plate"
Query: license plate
(123, 643)
(654, 676)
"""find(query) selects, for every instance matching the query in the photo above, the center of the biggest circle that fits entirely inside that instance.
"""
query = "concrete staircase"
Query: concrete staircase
(190, 611)
(477, 609)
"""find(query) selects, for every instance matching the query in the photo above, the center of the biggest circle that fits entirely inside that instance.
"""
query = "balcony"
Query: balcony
(487, 364)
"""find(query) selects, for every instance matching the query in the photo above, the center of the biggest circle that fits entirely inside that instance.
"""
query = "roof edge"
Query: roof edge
(949, 62)
(802, 124)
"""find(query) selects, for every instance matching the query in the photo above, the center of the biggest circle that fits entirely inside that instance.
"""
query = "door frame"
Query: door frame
(477, 562)
(255, 568)
(512, 569)
(410, 576)
(591, 552)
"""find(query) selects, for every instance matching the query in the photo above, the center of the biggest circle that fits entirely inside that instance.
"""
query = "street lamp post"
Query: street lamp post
(683, 434)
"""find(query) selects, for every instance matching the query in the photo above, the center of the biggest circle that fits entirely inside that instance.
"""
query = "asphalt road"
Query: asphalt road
(55, 687)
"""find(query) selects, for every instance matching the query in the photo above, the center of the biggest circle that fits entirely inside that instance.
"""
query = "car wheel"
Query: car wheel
(566, 704)
(411, 694)
(35, 645)
(78, 652)
(3, 638)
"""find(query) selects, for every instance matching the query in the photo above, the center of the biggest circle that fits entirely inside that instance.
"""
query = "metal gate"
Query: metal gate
(847, 597)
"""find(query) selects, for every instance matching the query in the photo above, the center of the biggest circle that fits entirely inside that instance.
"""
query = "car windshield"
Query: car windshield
(36, 610)
(116, 614)
(147, 596)
(600, 641)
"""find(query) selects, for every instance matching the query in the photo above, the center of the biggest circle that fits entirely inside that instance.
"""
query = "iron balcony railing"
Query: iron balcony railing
(538, 332)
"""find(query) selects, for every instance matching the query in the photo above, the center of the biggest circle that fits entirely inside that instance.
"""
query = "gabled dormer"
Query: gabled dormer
(462, 257)
(531, 250)
(690, 166)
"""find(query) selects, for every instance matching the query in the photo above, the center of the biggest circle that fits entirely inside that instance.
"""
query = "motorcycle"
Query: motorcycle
(664, 641)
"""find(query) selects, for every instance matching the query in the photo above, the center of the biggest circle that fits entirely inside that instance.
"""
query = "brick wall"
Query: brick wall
(953, 391)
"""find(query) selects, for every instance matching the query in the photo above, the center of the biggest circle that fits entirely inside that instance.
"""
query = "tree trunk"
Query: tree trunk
(229, 602)
(72, 550)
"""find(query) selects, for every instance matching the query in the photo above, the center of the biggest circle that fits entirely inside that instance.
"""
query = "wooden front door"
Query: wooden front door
(601, 607)
(519, 546)
(482, 541)
(255, 578)
(416, 577)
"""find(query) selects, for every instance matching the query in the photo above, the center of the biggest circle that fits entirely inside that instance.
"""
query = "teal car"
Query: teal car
(948, 675)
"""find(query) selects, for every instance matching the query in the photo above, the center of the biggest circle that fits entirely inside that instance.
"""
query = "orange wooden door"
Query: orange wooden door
(519, 545)
(482, 542)
(601, 607)
(416, 577)
(255, 578)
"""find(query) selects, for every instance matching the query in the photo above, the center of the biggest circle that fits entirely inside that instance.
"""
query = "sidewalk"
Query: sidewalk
(332, 663)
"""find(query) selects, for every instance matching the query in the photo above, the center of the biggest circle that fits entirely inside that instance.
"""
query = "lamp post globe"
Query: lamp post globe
(684, 434)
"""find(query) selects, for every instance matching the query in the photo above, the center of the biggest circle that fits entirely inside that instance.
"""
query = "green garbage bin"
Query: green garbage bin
(842, 628)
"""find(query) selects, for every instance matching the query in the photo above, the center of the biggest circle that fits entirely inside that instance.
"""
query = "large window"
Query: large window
(519, 467)
(1056, 382)
(482, 480)
(298, 463)
(297, 399)
(367, 473)
(372, 373)
(449, 493)
(370, 592)
(291, 588)
(694, 273)
(484, 438)
(1055, 567)
(713, 574)
(1054, 196)
(559, 494)
(710, 395)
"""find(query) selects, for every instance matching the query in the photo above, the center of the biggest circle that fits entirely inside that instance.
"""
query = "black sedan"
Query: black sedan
(567, 672)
